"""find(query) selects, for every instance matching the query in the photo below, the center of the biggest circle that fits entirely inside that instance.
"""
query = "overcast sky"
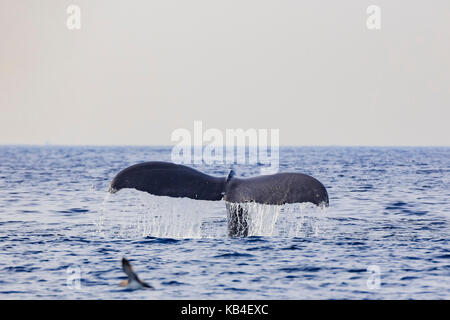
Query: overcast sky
(138, 70)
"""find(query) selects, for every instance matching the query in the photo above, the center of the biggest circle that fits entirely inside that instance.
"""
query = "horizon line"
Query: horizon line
(171, 146)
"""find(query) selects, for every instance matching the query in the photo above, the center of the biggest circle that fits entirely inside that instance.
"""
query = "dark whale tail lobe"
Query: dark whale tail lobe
(169, 179)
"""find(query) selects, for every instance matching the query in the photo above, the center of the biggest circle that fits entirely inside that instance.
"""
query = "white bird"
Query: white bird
(133, 282)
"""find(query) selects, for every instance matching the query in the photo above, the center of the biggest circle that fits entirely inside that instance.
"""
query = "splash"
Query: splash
(135, 214)
(99, 223)
(303, 220)
(289, 220)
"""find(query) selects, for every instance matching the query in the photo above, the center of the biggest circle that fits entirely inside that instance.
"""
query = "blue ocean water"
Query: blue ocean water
(384, 236)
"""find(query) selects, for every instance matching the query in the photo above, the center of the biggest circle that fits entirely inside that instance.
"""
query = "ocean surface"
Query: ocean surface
(385, 234)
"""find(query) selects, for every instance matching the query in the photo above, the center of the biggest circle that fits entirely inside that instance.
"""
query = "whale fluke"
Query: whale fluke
(174, 180)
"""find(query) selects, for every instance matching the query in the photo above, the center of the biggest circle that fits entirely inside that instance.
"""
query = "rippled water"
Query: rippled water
(389, 211)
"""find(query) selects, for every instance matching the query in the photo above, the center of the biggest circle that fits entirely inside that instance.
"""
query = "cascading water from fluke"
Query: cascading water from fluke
(136, 214)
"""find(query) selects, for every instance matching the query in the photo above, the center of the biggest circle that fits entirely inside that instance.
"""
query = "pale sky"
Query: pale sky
(138, 70)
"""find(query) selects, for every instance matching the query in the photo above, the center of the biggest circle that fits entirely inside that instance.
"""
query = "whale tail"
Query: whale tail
(178, 181)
